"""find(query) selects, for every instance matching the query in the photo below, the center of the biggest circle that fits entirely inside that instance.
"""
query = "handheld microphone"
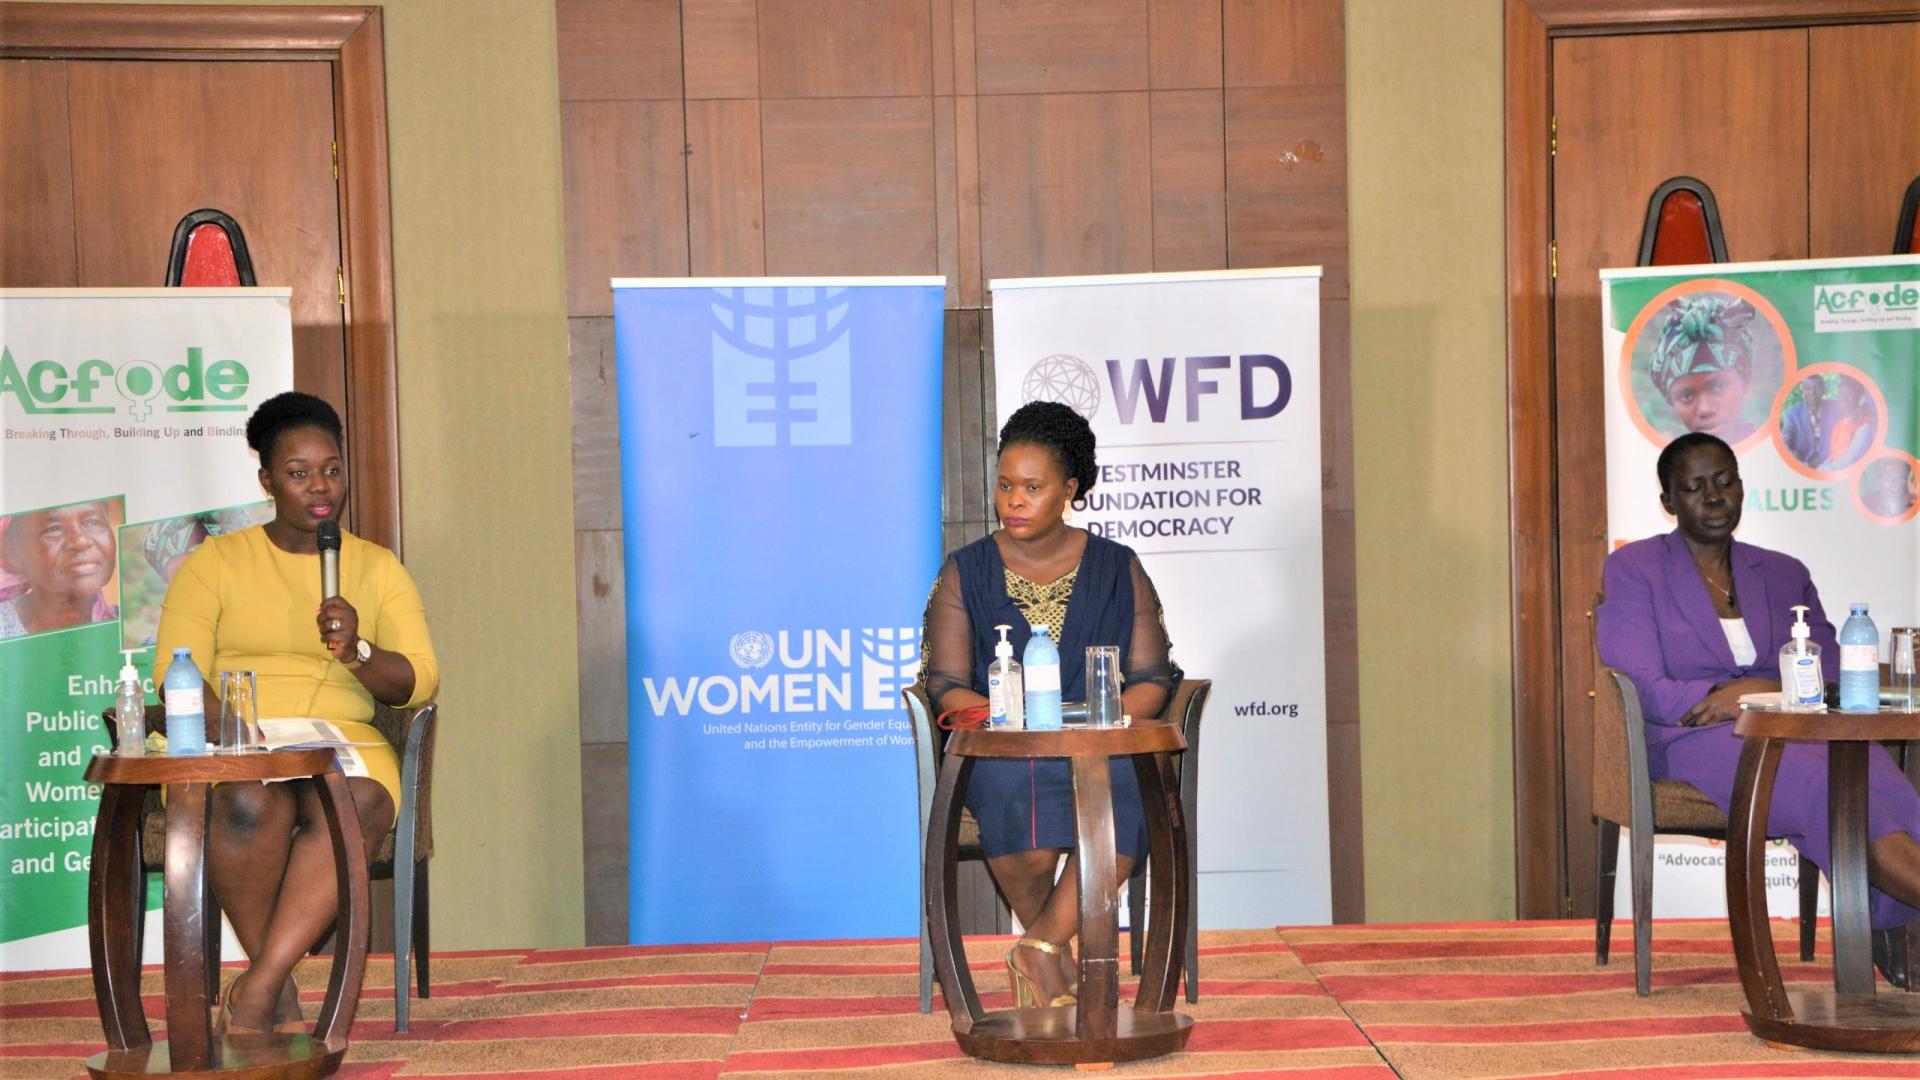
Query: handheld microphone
(329, 541)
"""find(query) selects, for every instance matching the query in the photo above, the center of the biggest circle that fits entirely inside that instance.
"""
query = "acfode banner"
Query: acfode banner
(124, 420)
(1203, 390)
(1808, 370)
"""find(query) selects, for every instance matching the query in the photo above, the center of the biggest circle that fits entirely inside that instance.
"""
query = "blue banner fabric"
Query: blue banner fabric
(780, 461)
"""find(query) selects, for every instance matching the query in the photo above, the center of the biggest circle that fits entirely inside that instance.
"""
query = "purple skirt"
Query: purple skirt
(1706, 757)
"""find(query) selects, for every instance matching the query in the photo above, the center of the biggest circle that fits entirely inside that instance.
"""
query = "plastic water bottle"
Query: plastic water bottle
(130, 709)
(1859, 663)
(1042, 663)
(187, 705)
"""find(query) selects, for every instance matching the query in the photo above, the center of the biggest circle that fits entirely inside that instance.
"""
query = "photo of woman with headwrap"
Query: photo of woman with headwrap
(1702, 365)
(57, 568)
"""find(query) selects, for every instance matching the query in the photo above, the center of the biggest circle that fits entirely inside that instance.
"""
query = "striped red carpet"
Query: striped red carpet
(1323, 1003)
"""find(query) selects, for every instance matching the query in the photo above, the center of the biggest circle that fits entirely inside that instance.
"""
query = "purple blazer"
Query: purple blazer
(1658, 625)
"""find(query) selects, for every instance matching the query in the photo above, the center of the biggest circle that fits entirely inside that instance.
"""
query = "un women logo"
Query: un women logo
(1065, 379)
(750, 649)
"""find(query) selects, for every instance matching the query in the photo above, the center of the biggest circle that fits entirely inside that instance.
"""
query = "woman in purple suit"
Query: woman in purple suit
(1697, 619)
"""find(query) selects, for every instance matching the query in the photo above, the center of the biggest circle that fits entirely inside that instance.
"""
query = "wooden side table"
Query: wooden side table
(1099, 1028)
(1851, 1016)
(115, 899)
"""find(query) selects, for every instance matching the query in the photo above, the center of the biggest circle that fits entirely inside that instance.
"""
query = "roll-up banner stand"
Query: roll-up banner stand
(780, 461)
(1815, 389)
(124, 415)
(1204, 392)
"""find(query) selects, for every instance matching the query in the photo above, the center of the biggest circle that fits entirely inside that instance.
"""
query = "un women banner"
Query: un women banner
(124, 414)
(780, 461)
(1808, 370)
(1204, 392)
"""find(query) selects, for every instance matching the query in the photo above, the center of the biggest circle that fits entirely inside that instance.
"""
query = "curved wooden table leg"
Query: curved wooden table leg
(115, 903)
(1747, 881)
(1166, 884)
(1099, 925)
(189, 1026)
(943, 894)
(1847, 839)
(351, 925)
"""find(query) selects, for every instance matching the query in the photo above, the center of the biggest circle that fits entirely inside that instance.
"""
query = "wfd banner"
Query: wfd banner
(124, 414)
(1204, 392)
(1807, 369)
(780, 460)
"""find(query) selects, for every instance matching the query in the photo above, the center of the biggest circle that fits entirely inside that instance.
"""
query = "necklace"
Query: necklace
(1727, 591)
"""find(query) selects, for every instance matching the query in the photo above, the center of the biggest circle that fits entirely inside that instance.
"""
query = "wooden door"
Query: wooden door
(1807, 137)
(1634, 111)
(102, 158)
(1864, 117)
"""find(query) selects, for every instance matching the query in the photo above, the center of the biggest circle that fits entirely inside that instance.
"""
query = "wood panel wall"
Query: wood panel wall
(970, 138)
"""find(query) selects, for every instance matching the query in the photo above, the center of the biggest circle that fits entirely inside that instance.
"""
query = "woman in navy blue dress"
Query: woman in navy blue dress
(1034, 570)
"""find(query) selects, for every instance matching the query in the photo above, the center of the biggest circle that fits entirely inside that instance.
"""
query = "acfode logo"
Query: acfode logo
(98, 387)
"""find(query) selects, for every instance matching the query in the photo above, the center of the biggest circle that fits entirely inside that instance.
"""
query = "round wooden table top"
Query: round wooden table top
(1830, 726)
(209, 768)
(1143, 737)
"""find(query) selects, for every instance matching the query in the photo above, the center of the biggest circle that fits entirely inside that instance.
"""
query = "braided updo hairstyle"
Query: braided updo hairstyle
(1060, 430)
(286, 412)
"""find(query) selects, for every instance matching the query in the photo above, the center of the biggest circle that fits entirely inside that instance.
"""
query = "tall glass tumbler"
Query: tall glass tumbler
(1103, 685)
(239, 713)
(1901, 679)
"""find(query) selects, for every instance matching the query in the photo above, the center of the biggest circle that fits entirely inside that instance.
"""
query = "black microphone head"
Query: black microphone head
(328, 535)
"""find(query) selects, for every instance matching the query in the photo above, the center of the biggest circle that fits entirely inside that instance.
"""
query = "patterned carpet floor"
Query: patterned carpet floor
(1505, 999)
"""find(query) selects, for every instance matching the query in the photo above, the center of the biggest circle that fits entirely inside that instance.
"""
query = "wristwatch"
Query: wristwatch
(362, 652)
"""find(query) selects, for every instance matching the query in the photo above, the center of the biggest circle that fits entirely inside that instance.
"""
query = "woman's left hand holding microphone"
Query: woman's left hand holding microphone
(339, 628)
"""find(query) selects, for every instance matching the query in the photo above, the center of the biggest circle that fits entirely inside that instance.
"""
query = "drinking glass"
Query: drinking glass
(1901, 678)
(239, 713)
(1103, 685)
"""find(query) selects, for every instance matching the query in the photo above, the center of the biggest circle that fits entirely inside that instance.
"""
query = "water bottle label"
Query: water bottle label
(1042, 679)
(1860, 658)
(185, 702)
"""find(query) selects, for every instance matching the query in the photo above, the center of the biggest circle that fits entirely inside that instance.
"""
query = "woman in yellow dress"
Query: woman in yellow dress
(250, 601)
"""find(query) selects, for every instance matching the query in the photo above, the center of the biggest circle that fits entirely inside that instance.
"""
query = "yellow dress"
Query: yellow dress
(242, 604)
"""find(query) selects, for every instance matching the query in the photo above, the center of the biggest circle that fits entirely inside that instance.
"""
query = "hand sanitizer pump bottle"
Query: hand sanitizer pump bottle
(130, 709)
(1859, 663)
(1043, 681)
(1006, 704)
(1801, 687)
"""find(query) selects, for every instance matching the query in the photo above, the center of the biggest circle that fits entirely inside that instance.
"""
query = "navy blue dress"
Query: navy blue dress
(1027, 804)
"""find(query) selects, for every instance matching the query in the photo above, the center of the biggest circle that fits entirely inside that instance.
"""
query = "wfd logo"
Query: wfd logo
(51, 388)
(1265, 384)
(798, 671)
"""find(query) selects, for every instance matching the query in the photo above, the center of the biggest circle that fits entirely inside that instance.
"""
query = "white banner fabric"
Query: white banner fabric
(1204, 392)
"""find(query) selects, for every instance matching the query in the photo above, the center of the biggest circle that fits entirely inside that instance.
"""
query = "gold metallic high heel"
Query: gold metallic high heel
(1025, 994)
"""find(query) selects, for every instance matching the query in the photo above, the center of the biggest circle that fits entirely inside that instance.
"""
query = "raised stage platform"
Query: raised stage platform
(1331, 1003)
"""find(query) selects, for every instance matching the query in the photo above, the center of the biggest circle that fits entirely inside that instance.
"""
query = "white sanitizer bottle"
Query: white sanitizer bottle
(1802, 689)
(1006, 701)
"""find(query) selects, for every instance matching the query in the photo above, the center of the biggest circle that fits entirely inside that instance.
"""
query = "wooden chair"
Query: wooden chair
(403, 856)
(1624, 794)
(1188, 704)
